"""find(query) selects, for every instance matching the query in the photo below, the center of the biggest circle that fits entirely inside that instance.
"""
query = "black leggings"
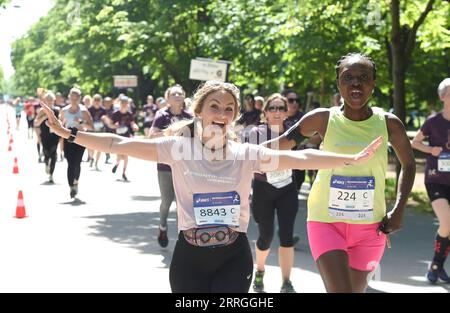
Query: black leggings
(266, 199)
(74, 155)
(299, 178)
(211, 270)
(49, 147)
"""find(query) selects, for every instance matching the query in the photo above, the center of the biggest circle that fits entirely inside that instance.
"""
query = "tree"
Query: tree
(271, 44)
(2, 80)
(402, 44)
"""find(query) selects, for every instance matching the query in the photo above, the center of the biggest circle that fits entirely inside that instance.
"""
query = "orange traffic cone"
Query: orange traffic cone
(20, 210)
(16, 167)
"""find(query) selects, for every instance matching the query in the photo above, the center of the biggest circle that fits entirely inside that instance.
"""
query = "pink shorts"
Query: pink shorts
(364, 246)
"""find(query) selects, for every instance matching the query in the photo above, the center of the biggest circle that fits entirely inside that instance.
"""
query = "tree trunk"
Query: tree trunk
(403, 40)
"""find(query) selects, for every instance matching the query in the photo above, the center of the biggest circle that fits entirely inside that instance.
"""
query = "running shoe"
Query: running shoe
(73, 192)
(163, 240)
(258, 283)
(92, 162)
(124, 177)
(435, 273)
(50, 179)
(114, 169)
(443, 277)
(287, 287)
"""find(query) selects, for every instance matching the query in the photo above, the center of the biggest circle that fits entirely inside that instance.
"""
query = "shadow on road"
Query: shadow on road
(136, 230)
(145, 198)
(75, 202)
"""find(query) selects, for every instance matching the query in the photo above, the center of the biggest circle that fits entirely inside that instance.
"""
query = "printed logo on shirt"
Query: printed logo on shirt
(351, 144)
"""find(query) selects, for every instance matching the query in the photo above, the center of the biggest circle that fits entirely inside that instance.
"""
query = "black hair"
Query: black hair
(356, 54)
(287, 91)
(249, 95)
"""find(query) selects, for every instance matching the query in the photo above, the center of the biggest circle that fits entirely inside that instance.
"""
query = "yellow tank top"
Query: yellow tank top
(346, 136)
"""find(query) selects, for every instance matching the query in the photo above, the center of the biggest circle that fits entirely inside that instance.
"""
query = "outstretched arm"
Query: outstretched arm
(274, 160)
(105, 142)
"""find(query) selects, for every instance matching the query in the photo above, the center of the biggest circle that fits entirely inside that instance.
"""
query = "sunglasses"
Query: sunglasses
(292, 100)
(277, 108)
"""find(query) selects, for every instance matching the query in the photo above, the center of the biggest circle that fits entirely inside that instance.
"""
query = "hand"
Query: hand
(54, 123)
(392, 223)
(135, 128)
(368, 152)
(435, 151)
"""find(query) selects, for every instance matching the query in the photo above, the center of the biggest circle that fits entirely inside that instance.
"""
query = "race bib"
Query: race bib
(122, 130)
(351, 198)
(222, 208)
(98, 125)
(279, 179)
(444, 162)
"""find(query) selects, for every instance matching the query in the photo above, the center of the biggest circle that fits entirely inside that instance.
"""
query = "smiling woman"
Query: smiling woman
(347, 220)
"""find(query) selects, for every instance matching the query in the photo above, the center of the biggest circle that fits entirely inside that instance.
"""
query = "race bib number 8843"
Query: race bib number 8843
(221, 208)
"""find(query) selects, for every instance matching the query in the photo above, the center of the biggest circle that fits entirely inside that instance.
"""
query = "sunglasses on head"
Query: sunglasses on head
(292, 100)
(277, 108)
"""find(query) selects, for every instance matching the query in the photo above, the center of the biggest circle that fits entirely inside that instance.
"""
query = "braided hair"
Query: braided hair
(355, 54)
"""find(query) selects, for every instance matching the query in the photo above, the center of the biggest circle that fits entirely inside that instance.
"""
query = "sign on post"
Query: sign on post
(125, 81)
(207, 69)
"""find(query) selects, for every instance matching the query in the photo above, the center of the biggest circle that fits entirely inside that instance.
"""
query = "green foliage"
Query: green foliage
(272, 44)
(2, 80)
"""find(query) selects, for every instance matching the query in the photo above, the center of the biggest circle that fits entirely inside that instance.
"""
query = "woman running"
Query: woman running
(274, 192)
(165, 117)
(75, 116)
(122, 121)
(436, 130)
(97, 112)
(49, 139)
(347, 220)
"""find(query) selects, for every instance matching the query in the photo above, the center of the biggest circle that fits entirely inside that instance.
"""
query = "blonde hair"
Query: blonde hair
(50, 94)
(97, 97)
(202, 92)
(168, 90)
(265, 107)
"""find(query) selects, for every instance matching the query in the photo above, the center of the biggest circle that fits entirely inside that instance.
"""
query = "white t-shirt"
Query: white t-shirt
(195, 175)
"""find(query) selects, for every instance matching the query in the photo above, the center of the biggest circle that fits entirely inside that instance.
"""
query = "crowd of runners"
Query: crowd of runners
(223, 164)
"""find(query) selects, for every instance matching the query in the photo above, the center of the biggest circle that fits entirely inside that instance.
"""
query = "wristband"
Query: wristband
(293, 133)
(73, 134)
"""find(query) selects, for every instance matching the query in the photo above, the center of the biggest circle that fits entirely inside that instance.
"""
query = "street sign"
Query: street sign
(206, 69)
(125, 81)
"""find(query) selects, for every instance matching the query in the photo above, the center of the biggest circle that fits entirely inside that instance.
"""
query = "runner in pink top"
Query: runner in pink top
(212, 181)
